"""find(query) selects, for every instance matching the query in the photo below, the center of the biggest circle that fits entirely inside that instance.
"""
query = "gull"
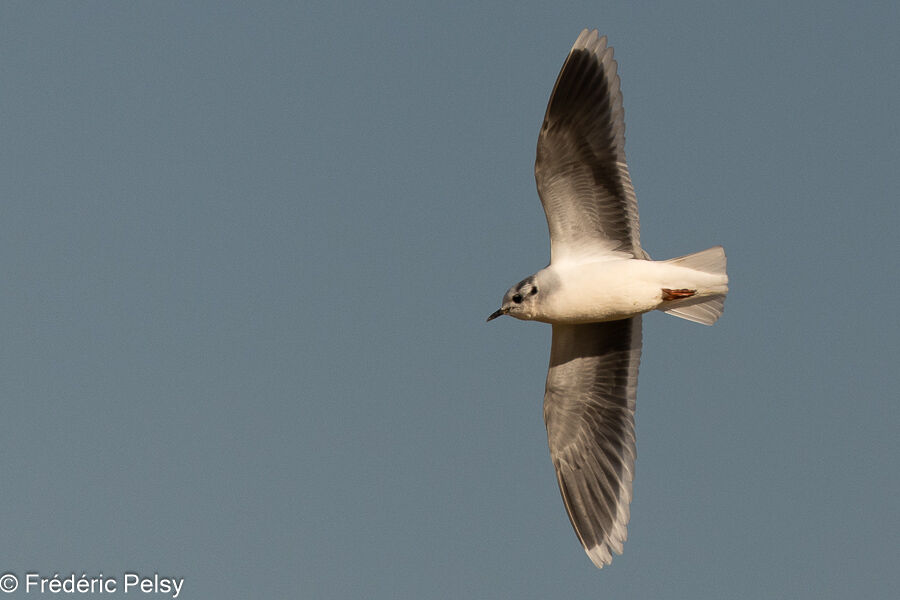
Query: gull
(598, 284)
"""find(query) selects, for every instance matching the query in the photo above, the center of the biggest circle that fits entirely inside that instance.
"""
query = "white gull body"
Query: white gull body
(597, 285)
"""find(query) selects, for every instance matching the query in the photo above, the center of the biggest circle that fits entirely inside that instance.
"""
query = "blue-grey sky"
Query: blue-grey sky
(247, 251)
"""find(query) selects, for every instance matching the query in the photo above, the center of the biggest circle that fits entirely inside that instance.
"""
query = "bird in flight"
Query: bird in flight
(598, 284)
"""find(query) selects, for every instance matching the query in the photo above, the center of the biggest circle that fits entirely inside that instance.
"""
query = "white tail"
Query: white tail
(707, 306)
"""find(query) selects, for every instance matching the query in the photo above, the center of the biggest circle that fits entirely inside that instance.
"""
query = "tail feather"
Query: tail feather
(712, 260)
(707, 306)
(705, 309)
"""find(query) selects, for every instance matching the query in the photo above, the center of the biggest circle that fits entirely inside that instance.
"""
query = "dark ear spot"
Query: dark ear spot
(534, 290)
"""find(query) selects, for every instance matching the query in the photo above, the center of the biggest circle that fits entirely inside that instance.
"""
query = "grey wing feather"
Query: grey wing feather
(589, 413)
(581, 173)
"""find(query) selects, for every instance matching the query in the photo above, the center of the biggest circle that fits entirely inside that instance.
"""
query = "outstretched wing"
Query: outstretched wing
(581, 174)
(589, 412)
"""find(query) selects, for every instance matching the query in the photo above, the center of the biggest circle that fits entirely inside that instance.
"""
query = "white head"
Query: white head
(522, 300)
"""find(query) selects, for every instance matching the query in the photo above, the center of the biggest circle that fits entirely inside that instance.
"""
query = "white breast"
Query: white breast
(597, 291)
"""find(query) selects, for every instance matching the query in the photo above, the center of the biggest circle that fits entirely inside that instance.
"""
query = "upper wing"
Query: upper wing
(589, 412)
(580, 169)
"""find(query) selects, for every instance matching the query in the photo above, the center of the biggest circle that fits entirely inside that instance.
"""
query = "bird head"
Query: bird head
(520, 301)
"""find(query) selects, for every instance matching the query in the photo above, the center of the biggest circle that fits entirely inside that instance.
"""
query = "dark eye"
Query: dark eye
(534, 290)
(517, 298)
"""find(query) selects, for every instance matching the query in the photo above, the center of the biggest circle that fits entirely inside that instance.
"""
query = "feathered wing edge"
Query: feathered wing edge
(580, 169)
(589, 412)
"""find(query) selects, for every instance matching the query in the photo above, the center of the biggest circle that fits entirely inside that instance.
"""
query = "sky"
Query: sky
(247, 251)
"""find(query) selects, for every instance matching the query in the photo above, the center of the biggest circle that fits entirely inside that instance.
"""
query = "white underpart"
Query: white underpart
(607, 290)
